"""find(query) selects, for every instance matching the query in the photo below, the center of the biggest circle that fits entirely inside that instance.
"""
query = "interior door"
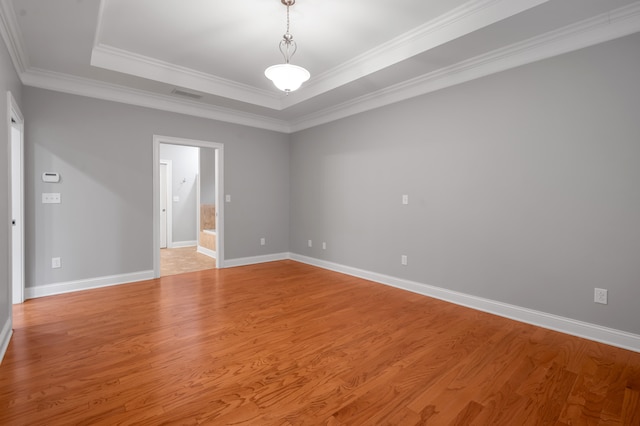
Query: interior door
(163, 205)
(17, 215)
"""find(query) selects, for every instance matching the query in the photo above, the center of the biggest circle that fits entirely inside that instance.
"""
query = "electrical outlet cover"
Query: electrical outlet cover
(600, 296)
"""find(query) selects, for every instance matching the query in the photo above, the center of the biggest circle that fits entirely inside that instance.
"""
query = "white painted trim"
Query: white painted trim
(66, 83)
(465, 19)
(169, 164)
(5, 337)
(12, 36)
(471, 16)
(207, 252)
(198, 202)
(114, 59)
(157, 140)
(592, 31)
(244, 261)
(179, 244)
(570, 326)
(87, 284)
(13, 112)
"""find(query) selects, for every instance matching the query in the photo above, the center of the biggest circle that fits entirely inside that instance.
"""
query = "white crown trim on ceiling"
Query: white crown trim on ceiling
(604, 27)
(66, 83)
(598, 29)
(463, 20)
(471, 16)
(12, 37)
(114, 59)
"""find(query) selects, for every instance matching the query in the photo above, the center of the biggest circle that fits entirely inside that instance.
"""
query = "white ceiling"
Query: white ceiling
(361, 53)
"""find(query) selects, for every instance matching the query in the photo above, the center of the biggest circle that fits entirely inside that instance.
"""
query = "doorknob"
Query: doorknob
(13, 222)
(164, 210)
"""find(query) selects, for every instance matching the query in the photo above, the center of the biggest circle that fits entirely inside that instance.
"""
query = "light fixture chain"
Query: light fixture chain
(287, 18)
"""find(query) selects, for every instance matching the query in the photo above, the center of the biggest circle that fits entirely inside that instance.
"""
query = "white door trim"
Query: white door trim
(13, 112)
(169, 164)
(157, 140)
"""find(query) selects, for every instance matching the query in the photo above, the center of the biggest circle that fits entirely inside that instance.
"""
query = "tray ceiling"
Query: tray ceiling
(207, 57)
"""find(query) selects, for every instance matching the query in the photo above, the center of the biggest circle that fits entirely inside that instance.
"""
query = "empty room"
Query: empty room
(303, 212)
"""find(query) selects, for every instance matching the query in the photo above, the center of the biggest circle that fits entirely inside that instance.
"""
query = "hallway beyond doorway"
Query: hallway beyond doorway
(184, 259)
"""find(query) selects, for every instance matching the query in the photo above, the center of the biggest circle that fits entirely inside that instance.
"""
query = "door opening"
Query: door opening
(157, 196)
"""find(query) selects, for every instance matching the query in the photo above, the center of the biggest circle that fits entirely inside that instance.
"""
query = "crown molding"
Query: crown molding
(96, 89)
(599, 29)
(602, 28)
(467, 18)
(119, 60)
(13, 37)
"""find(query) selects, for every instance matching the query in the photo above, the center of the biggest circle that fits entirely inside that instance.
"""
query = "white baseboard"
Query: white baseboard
(243, 261)
(610, 336)
(180, 244)
(70, 286)
(5, 337)
(207, 252)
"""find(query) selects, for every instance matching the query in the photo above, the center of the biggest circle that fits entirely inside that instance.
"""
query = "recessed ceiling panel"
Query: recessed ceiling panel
(361, 53)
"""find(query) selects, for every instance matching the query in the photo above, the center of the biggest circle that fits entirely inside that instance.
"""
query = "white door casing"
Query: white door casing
(16, 179)
(165, 195)
(163, 204)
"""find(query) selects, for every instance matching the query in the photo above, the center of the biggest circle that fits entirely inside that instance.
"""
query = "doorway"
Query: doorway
(16, 155)
(157, 210)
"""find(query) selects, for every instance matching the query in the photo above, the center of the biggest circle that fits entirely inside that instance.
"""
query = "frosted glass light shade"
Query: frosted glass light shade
(287, 77)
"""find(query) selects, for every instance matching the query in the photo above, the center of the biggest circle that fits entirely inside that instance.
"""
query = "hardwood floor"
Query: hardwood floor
(284, 343)
(183, 259)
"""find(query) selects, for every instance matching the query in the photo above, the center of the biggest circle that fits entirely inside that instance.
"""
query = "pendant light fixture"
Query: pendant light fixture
(287, 77)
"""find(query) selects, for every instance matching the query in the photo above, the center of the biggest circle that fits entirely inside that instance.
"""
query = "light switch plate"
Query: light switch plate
(50, 198)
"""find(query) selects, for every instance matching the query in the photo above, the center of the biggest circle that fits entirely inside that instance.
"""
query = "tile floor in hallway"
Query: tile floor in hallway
(183, 259)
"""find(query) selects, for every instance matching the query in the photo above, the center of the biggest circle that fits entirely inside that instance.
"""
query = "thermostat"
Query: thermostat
(51, 177)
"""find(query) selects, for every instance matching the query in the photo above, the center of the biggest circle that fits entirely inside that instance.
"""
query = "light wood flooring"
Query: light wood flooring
(183, 259)
(285, 343)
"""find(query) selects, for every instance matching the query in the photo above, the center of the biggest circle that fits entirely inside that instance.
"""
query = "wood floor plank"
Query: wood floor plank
(285, 343)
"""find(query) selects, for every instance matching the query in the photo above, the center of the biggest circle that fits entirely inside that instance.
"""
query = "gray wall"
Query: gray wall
(103, 151)
(185, 166)
(8, 82)
(524, 187)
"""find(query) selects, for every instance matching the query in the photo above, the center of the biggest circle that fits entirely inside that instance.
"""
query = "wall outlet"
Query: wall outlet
(263, 241)
(310, 243)
(405, 199)
(403, 259)
(227, 198)
(600, 296)
(324, 245)
(55, 262)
